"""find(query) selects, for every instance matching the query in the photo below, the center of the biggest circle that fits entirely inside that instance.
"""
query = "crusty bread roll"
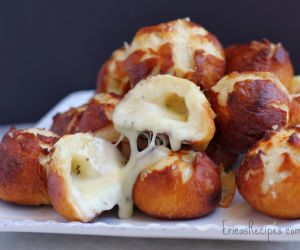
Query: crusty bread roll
(94, 117)
(247, 104)
(261, 56)
(23, 157)
(183, 185)
(268, 178)
(83, 176)
(168, 105)
(180, 48)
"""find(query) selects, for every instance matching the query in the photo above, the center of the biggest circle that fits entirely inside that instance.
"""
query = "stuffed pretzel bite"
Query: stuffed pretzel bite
(261, 56)
(23, 157)
(94, 117)
(183, 185)
(83, 176)
(246, 105)
(268, 178)
(177, 109)
(180, 48)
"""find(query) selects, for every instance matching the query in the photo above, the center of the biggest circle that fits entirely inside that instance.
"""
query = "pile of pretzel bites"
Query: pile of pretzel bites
(176, 125)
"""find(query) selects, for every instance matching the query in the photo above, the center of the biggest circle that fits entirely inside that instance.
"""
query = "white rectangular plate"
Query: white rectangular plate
(239, 222)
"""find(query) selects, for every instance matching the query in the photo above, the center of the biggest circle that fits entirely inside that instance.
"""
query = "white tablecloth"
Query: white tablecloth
(33, 241)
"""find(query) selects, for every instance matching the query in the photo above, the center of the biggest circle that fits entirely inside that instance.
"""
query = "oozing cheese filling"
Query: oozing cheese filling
(160, 105)
(166, 105)
(97, 178)
(94, 173)
(138, 162)
(90, 167)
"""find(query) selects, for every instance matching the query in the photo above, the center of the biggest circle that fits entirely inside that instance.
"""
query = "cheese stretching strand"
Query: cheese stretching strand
(177, 108)
(167, 105)
(87, 175)
(138, 162)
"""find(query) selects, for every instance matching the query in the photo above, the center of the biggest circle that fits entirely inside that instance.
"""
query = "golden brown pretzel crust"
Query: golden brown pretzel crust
(208, 69)
(295, 110)
(261, 56)
(253, 107)
(57, 190)
(162, 193)
(67, 122)
(282, 200)
(98, 113)
(126, 68)
(220, 155)
(95, 117)
(22, 175)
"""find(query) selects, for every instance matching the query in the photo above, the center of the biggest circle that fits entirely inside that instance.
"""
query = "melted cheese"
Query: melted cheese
(148, 107)
(90, 167)
(95, 173)
(138, 162)
(177, 108)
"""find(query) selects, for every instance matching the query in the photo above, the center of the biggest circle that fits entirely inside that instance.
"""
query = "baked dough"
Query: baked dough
(183, 185)
(261, 56)
(180, 48)
(94, 117)
(168, 105)
(269, 176)
(247, 104)
(83, 176)
(23, 157)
